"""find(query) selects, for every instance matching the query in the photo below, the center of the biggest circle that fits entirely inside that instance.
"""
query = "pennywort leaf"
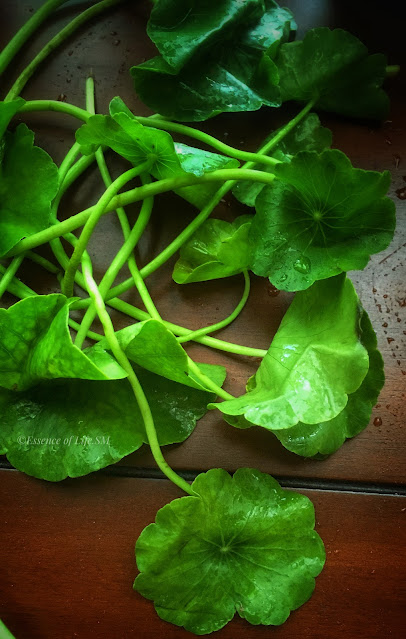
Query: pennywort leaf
(325, 438)
(315, 361)
(217, 249)
(35, 345)
(242, 545)
(334, 69)
(28, 183)
(320, 218)
(213, 58)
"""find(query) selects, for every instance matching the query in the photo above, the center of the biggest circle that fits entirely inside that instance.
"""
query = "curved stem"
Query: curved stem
(89, 227)
(132, 378)
(67, 162)
(207, 382)
(22, 35)
(225, 322)
(55, 105)
(135, 195)
(9, 273)
(232, 152)
(55, 42)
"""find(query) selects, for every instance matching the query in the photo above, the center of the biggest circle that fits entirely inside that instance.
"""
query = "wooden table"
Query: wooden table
(67, 550)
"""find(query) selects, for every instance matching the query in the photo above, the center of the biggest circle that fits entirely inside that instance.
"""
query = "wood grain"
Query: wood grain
(67, 563)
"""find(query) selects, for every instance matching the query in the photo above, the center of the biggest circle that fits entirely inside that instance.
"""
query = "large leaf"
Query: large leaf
(68, 428)
(214, 58)
(28, 184)
(315, 361)
(8, 111)
(327, 437)
(334, 69)
(320, 217)
(217, 249)
(35, 345)
(242, 545)
(152, 346)
(308, 135)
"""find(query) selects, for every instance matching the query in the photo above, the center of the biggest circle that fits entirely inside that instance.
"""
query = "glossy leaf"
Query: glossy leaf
(308, 135)
(35, 345)
(217, 249)
(334, 69)
(214, 58)
(242, 545)
(325, 438)
(152, 346)
(321, 217)
(28, 183)
(315, 361)
(96, 423)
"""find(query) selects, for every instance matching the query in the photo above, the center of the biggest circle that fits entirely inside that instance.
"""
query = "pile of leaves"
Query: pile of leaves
(234, 544)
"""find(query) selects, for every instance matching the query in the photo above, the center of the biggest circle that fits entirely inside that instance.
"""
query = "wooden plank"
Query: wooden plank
(67, 563)
(109, 47)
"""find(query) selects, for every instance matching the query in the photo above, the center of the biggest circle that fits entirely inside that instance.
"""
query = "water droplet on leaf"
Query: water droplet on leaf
(302, 264)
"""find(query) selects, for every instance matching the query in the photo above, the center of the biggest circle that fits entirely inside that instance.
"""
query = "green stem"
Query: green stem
(55, 105)
(9, 273)
(135, 195)
(116, 265)
(42, 261)
(210, 140)
(55, 42)
(5, 632)
(207, 382)
(225, 322)
(132, 378)
(22, 291)
(175, 245)
(93, 219)
(23, 34)
(68, 161)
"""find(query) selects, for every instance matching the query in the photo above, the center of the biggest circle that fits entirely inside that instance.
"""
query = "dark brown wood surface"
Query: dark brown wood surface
(69, 563)
(66, 551)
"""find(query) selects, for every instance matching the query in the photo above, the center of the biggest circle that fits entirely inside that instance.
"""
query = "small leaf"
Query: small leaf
(217, 249)
(241, 545)
(28, 184)
(213, 58)
(96, 423)
(315, 361)
(325, 438)
(320, 217)
(333, 68)
(35, 345)
(308, 135)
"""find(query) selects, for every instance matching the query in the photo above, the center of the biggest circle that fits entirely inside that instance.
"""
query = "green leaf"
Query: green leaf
(325, 438)
(320, 217)
(315, 361)
(308, 135)
(333, 68)
(7, 112)
(217, 249)
(96, 423)
(35, 345)
(152, 346)
(28, 184)
(213, 58)
(241, 545)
